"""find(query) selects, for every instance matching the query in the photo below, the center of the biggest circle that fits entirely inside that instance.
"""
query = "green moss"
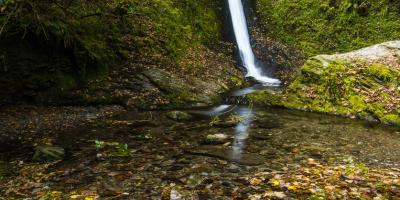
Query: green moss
(269, 98)
(311, 71)
(382, 72)
(236, 80)
(393, 119)
(328, 26)
(357, 104)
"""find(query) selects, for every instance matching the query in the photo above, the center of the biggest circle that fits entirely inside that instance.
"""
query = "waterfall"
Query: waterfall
(243, 42)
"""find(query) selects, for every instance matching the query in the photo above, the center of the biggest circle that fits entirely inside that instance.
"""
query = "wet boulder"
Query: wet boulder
(47, 153)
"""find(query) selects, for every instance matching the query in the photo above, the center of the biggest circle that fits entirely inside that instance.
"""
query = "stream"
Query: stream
(143, 155)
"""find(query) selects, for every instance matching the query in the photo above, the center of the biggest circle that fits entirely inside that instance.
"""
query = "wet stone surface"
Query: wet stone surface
(147, 155)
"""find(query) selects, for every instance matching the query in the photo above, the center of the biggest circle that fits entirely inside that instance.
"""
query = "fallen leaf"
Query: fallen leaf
(311, 161)
(280, 195)
(275, 182)
(255, 181)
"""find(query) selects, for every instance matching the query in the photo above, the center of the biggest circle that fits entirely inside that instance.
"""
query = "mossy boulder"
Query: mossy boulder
(46, 153)
(362, 83)
(179, 116)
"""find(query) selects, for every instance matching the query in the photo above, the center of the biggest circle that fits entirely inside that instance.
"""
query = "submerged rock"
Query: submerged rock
(47, 153)
(268, 123)
(229, 154)
(179, 115)
(362, 83)
(261, 135)
(215, 139)
(228, 122)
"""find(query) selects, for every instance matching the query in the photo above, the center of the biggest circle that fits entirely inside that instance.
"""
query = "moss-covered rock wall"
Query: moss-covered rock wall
(329, 26)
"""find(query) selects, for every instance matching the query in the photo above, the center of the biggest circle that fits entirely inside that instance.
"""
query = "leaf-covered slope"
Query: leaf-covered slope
(106, 41)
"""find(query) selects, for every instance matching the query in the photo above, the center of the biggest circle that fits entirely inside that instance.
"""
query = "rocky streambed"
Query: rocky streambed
(246, 152)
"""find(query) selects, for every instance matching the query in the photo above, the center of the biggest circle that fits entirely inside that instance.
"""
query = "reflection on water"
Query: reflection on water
(254, 88)
(244, 91)
(216, 111)
(291, 135)
(241, 131)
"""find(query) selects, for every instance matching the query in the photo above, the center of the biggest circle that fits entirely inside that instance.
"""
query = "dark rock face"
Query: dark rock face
(26, 67)
(276, 58)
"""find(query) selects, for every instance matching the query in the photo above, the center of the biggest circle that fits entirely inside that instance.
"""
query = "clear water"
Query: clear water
(167, 153)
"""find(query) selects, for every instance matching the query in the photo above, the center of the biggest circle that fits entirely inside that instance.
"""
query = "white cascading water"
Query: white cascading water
(243, 42)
